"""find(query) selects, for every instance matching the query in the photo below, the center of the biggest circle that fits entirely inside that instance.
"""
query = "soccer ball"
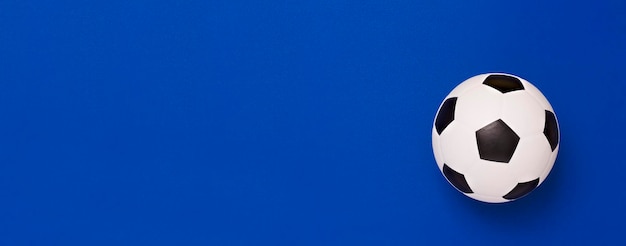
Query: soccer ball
(495, 137)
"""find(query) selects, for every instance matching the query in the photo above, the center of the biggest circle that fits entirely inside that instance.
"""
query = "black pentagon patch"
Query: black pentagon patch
(456, 179)
(445, 116)
(503, 83)
(522, 189)
(496, 142)
(551, 130)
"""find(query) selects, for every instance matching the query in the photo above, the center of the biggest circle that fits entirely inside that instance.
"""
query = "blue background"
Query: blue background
(293, 122)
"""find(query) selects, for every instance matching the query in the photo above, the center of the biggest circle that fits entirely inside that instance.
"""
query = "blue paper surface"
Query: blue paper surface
(294, 122)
